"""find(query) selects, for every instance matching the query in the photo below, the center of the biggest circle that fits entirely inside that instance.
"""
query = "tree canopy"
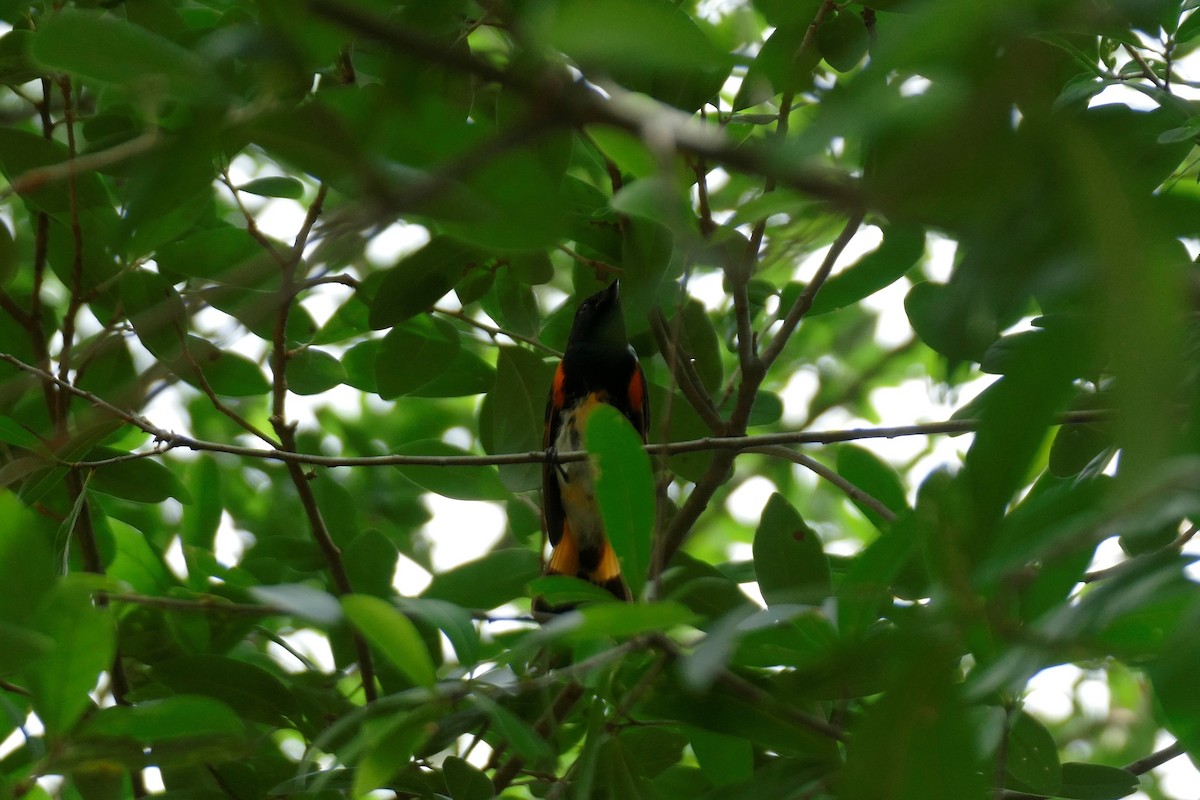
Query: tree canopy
(179, 368)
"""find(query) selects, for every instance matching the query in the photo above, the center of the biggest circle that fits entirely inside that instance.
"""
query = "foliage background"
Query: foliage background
(547, 145)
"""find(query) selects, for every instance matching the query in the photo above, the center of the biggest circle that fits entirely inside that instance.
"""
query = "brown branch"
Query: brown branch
(493, 331)
(759, 697)
(1139, 767)
(805, 300)
(685, 373)
(286, 431)
(167, 440)
(206, 605)
(550, 719)
(577, 103)
(851, 490)
(39, 177)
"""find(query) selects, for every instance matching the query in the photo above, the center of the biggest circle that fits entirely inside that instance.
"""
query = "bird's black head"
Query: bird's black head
(599, 323)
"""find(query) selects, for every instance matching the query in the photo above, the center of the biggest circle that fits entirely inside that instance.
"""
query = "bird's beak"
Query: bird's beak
(613, 293)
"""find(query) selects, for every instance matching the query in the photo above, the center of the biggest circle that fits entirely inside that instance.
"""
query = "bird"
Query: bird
(598, 366)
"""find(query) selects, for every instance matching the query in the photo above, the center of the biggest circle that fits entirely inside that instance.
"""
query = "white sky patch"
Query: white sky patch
(745, 503)
(797, 394)
(394, 241)
(939, 257)
(411, 578)
(231, 542)
(892, 327)
(709, 289)
(152, 778)
(173, 556)
(312, 645)
(1179, 776)
(461, 530)
(1050, 692)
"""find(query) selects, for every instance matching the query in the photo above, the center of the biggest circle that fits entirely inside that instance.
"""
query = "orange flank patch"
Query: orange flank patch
(637, 391)
(560, 378)
(609, 567)
(565, 558)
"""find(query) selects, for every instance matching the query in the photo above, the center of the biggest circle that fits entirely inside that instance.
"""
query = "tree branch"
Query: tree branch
(851, 490)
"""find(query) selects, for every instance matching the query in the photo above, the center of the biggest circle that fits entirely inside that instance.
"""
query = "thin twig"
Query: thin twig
(805, 300)
(39, 177)
(493, 331)
(852, 491)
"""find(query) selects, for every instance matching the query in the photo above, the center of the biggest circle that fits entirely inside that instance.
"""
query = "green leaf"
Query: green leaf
(842, 40)
(420, 279)
(889, 754)
(726, 760)
(467, 374)
(616, 620)
(143, 480)
(466, 782)
(780, 65)
(514, 730)
(653, 47)
(511, 417)
(1096, 782)
(162, 720)
(462, 483)
(451, 620)
(251, 691)
(393, 634)
(136, 562)
(227, 373)
(947, 324)
(371, 562)
(485, 583)
(1033, 755)
(12, 432)
(868, 472)
(413, 354)
(653, 198)
(27, 566)
(559, 590)
(229, 256)
(156, 312)
(902, 247)
(22, 151)
(389, 743)
(312, 371)
(132, 54)
(302, 600)
(85, 643)
(788, 557)
(280, 186)
(624, 490)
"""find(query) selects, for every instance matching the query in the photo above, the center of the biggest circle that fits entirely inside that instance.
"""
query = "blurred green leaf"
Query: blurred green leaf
(413, 354)
(312, 371)
(487, 582)
(156, 312)
(142, 480)
(251, 691)
(420, 279)
(1032, 755)
(461, 483)
(1082, 781)
(902, 247)
(393, 634)
(624, 491)
(133, 55)
(281, 186)
(85, 643)
(788, 557)
(466, 782)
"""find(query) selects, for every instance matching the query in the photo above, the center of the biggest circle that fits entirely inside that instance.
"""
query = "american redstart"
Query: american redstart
(598, 366)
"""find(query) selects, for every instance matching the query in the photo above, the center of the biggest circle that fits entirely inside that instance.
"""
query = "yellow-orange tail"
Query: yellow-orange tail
(566, 560)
